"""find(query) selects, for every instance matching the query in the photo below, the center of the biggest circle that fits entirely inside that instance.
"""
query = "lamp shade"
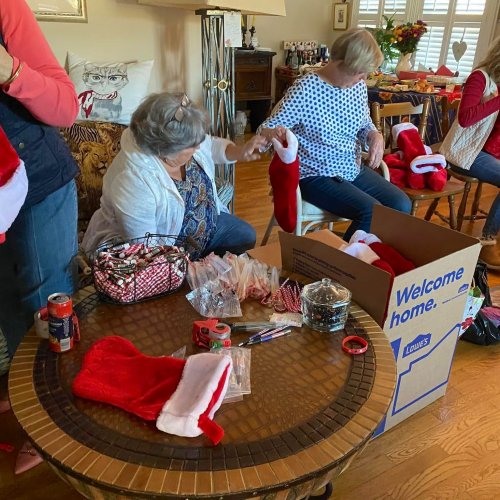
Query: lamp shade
(264, 7)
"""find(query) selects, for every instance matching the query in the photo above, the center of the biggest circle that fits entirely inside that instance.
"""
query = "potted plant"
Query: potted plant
(385, 38)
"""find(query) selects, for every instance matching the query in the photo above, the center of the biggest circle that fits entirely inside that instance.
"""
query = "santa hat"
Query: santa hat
(181, 395)
(13, 184)
(284, 177)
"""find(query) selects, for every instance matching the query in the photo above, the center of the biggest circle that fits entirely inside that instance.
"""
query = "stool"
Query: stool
(476, 213)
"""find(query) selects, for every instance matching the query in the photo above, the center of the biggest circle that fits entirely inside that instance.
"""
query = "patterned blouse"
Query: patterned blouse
(330, 123)
(200, 216)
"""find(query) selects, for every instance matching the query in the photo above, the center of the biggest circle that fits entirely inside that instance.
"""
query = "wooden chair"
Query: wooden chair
(384, 116)
(310, 217)
(447, 108)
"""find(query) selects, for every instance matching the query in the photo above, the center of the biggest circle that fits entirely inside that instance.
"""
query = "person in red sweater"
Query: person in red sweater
(486, 166)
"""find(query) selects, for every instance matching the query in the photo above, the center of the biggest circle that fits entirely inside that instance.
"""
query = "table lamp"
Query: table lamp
(218, 60)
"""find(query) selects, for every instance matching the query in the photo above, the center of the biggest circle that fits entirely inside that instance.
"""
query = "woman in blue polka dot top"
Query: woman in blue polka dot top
(328, 112)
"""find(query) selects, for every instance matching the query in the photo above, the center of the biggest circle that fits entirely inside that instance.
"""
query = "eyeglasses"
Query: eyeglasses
(179, 113)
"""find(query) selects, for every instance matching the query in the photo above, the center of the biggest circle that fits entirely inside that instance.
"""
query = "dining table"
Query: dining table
(434, 131)
(312, 408)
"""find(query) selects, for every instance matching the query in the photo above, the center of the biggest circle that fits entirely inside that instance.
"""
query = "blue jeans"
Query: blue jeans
(232, 234)
(487, 169)
(354, 200)
(37, 260)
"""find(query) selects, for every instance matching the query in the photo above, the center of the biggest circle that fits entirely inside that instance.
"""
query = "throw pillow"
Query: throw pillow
(109, 91)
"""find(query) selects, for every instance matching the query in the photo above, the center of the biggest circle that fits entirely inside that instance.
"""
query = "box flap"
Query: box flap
(315, 259)
(418, 240)
(268, 254)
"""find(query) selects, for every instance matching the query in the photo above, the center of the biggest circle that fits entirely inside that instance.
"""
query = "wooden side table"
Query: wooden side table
(312, 409)
(253, 72)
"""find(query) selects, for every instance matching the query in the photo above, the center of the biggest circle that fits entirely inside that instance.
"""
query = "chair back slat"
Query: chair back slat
(449, 112)
(385, 116)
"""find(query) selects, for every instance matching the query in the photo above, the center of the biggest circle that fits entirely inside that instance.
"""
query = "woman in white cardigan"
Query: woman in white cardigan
(162, 181)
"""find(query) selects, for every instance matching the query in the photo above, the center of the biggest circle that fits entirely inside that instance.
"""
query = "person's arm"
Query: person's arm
(224, 151)
(471, 109)
(368, 134)
(42, 85)
(367, 125)
(286, 114)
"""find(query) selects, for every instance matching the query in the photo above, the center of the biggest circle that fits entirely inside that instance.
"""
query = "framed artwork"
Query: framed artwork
(340, 16)
(59, 10)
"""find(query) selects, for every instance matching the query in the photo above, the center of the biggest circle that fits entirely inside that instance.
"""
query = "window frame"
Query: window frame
(414, 10)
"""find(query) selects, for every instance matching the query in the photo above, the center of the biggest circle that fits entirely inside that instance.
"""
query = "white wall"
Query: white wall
(125, 30)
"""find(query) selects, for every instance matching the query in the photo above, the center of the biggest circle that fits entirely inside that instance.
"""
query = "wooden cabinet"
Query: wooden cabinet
(284, 79)
(253, 72)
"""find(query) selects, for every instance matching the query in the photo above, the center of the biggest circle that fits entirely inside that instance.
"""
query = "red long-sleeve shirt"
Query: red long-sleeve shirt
(472, 110)
(43, 87)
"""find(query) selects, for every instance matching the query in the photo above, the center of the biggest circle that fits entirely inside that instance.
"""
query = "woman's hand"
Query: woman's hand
(278, 133)
(6, 63)
(375, 143)
(248, 151)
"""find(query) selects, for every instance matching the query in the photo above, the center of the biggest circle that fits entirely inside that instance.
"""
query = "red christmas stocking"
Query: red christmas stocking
(181, 395)
(436, 180)
(397, 168)
(415, 155)
(362, 251)
(399, 263)
(284, 176)
(13, 184)
(385, 252)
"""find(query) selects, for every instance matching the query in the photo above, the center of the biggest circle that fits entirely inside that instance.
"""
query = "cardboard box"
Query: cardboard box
(425, 306)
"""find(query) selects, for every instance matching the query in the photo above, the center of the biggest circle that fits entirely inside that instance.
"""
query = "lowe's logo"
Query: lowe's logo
(420, 342)
(464, 287)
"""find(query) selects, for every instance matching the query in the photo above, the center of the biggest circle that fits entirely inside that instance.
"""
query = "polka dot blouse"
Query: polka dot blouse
(330, 123)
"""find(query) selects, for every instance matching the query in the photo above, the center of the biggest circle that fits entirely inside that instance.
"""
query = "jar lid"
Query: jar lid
(326, 292)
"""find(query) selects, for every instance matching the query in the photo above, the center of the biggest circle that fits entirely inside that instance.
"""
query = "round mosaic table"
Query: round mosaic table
(312, 409)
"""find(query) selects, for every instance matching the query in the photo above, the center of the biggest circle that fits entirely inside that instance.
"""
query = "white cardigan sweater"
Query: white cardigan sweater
(139, 197)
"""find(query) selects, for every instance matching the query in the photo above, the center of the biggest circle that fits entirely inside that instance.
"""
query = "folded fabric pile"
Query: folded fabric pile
(181, 395)
(414, 165)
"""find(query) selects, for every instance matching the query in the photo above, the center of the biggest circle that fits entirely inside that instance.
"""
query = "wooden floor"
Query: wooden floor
(449, 450)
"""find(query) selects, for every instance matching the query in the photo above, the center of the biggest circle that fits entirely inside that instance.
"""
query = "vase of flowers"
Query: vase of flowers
(406, 38)
(404, 63)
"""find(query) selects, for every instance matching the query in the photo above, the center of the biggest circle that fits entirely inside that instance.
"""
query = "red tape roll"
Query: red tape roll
(354, 350)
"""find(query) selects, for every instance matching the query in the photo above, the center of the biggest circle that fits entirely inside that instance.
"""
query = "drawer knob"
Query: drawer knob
(251, 85)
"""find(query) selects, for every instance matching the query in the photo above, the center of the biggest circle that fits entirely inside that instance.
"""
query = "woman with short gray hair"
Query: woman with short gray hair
(163, 181)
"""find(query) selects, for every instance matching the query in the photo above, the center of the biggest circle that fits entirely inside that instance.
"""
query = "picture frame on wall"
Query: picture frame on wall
(340, 16)
(60, 10)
